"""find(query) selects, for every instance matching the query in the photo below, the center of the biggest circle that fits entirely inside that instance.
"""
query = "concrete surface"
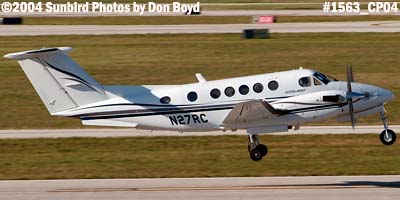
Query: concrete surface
(65, 133)
(317, 27)
(301, 188)
(304, 12)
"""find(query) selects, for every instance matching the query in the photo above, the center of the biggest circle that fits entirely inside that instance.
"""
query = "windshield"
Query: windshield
(323, 78)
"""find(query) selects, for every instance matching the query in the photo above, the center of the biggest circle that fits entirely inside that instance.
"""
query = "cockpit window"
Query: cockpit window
(305, 81)
(317, 82)
(323, 78)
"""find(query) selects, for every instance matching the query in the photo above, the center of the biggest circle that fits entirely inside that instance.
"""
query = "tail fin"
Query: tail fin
(60, 82)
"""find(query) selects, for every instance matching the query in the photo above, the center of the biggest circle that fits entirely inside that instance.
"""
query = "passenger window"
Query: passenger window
(215, 93)
(305, 82)
(192, 96)
(165, 100)
(229, 91)
(258, 87)
(317, 82)
(244, 89)
(273, 85)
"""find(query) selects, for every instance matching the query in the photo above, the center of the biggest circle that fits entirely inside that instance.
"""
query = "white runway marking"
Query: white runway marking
(314, 187)
(67, 133)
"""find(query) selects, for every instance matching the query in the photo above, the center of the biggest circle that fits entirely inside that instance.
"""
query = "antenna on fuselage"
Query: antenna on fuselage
(200, 78)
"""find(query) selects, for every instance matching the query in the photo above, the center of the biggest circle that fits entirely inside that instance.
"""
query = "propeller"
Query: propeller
(350, 95)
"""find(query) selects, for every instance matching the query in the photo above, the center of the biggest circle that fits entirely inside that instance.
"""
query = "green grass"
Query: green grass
(126, 20)
(261, 7)
(154, 59)
(291, 19)
(144, 157)
(156, 20)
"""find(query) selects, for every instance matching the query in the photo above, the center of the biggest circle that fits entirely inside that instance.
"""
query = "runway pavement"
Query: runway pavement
(66, 133)
(299, 188)
(304, 12)
(317, 27)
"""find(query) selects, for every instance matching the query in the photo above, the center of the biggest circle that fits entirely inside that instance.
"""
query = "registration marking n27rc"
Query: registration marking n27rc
(188, 119)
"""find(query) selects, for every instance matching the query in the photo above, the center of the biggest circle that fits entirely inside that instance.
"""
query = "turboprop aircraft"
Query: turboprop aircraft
(265, 103)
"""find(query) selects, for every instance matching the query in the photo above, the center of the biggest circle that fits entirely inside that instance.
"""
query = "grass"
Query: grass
(147, 20)
(156, 20)
(293, 19)
(154, 59)
(262, 6)
(145, 157)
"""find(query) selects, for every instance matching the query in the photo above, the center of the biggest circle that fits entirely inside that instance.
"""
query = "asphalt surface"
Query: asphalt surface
(308, 12)
(65, 133)
(299, 188)
(366, 26)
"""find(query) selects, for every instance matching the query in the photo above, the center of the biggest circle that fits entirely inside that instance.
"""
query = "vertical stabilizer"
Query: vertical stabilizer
(60, 82)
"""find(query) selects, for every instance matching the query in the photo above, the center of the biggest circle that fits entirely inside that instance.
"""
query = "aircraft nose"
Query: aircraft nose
(383, 94)
(374, 92)
(386, 95)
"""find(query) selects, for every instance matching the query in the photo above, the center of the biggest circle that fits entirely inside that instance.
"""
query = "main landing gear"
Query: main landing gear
(257, 151)
(388, 137)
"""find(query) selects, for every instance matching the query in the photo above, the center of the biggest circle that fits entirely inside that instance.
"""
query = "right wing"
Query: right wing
(250, 111)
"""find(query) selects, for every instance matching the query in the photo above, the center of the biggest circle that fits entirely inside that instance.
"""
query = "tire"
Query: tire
(256, 155)
(390, 140)
(263, 149)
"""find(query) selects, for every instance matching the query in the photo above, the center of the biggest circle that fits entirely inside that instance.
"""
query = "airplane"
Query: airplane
(266, 103)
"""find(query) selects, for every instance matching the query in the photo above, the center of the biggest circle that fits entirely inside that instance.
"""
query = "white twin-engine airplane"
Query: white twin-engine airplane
(263, 103)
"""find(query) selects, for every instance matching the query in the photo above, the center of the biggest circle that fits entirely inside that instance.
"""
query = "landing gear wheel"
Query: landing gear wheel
(263, 149)
(259, 152)
(388, 137)
(256, 154)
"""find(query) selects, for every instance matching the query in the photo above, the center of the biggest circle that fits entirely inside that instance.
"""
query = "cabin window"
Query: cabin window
(305, 81)
(273, 85)
(317, 82)
(192, 96)
(258, 87)
(165, 100)
(229, 91)
(215, 93)
(244, 89)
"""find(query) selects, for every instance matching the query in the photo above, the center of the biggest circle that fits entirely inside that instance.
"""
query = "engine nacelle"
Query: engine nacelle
(314, 99)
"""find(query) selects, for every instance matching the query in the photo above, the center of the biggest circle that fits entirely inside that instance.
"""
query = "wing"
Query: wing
(251, 111)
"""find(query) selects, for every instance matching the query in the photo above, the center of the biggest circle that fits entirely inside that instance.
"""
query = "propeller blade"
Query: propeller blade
(351, 112)
(350, 77)
(350, 95)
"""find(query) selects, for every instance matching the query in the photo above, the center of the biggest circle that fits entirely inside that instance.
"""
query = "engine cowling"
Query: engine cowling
(311, 100)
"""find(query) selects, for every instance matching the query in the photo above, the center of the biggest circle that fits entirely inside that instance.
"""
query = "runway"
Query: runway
(315, 27)
(296, 12)
(67, 133)
(299, 188)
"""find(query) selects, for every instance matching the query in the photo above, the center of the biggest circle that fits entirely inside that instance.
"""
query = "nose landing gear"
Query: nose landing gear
(257, 151)
(388, 136)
